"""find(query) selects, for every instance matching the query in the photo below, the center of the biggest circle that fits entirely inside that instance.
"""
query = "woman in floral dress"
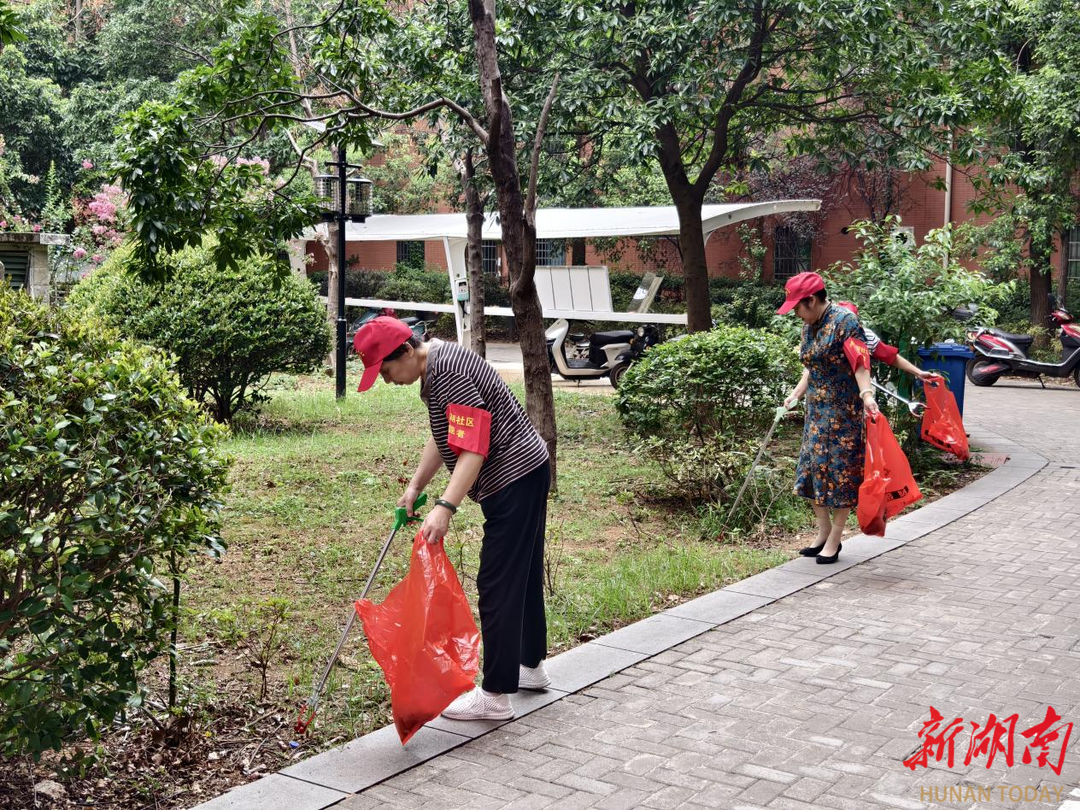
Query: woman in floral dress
(836, 380)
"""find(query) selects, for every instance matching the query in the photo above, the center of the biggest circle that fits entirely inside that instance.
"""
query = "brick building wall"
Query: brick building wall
(922, 208)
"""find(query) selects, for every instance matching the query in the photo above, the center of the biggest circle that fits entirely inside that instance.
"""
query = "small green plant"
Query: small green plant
(264, 636)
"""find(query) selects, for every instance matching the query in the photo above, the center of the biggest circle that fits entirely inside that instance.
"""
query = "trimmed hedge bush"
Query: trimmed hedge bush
(697, 404)
(229, 329)
(109, 478)
(727, 381)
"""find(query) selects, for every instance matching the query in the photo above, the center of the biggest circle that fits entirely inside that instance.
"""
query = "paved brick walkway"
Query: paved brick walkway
(814, 701)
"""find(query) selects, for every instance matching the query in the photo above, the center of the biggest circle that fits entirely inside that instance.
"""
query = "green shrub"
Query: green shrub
(410, 283)
(229, 329)
(358, 283)
(727, 381)
(752, 305)
(697, 404)
(109, 478)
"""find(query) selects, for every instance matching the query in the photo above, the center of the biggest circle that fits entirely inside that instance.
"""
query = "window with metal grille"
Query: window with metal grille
(550, 252)
(411, 253)
(1072, 251)
(489, 255)
(791, 254)
(16, 267)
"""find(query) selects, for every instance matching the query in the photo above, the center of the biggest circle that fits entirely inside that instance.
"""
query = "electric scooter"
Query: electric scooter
(610, 353)
(998, 353)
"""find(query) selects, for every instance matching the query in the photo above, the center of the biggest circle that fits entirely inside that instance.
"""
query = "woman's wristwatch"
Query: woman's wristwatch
(447, 504)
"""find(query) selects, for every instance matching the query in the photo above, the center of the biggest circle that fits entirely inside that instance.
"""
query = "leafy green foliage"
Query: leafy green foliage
(694, 403)
(110, 477)
(725, 381)
(31, 127)
(907, 294)
(176, 194)
(10, 32)
(229, 329)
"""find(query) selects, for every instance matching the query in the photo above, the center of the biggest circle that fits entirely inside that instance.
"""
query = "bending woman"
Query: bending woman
(494, 454)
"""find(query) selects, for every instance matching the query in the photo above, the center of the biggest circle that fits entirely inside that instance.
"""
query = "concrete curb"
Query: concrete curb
(329, 777)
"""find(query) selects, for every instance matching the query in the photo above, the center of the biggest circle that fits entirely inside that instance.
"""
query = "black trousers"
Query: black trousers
(510, 581)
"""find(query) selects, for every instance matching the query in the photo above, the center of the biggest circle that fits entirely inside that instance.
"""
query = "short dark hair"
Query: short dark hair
(819, 295)
(413, 341)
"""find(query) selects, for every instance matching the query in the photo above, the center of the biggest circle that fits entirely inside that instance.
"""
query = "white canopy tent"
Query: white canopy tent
(551, 223)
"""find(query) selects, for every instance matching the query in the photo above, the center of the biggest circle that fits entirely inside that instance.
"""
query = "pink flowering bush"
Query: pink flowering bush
(99, 224)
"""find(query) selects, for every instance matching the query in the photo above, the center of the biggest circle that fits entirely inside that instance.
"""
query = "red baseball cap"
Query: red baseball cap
(799, 287)
(848, 306)
(374, 340)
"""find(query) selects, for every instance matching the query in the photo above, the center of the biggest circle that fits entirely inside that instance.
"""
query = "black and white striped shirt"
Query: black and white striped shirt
(456, 375)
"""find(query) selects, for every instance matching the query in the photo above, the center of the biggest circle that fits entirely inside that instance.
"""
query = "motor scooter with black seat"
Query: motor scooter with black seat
(999, 353)
(610, 353)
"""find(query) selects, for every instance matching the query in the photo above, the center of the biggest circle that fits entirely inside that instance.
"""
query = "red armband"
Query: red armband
(886, 354)
(857, 353)
(468, 428)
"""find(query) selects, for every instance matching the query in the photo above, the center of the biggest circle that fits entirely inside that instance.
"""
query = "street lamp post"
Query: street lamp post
(342, 198)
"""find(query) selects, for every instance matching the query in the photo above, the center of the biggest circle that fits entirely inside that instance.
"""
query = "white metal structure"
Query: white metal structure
(551, 223)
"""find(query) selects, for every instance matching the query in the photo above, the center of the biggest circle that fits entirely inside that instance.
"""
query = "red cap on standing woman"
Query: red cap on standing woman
(799, 287)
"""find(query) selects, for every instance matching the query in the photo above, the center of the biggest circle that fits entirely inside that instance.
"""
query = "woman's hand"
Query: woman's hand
(869, 402)
(409, 498)
(923, 374)
(791, 401)
(436, 524)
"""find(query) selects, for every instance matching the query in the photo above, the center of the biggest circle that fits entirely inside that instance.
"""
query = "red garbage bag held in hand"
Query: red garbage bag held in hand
(888, 485)
(941, 423)
(424, 638)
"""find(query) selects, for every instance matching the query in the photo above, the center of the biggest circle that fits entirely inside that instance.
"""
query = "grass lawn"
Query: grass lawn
(313, 489)
(314, 484)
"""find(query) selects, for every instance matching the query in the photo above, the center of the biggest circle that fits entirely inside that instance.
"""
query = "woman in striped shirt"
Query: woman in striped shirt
(495, 456)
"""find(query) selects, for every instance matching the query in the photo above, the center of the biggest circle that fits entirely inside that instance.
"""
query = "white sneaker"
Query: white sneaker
(533, 678)
(480, 705)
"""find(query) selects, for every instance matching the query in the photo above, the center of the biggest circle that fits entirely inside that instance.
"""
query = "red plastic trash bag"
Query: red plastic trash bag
(888, 485)
(424, 638)
(941, 422)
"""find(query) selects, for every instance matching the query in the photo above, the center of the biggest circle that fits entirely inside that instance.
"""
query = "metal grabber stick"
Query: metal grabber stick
(307, 711)
(916, 408)
(780, 411)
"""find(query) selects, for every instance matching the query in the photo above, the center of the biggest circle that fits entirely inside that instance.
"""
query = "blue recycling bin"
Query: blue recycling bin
(950, 359)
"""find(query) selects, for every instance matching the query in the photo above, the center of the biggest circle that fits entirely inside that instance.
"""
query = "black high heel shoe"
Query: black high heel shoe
(811, 551)
(823, 560)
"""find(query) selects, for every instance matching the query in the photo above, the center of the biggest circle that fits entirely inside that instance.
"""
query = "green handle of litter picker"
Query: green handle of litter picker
(401, 513)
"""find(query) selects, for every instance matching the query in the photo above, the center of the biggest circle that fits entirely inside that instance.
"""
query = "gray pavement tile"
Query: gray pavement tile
(583, 666)
(275, 792)
(719, 607)
(373, 758)
(809, 565)
(655, 634)
(775, 583)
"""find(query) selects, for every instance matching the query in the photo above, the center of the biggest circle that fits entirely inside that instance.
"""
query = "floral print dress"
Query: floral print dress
(830, 467)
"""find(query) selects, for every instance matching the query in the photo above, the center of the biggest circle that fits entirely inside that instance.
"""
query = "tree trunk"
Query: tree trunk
(688, 202)
(695, 268)
(1040, 277)
(474, 256)
(518, 230)
(1063, 271)
(332, 291)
